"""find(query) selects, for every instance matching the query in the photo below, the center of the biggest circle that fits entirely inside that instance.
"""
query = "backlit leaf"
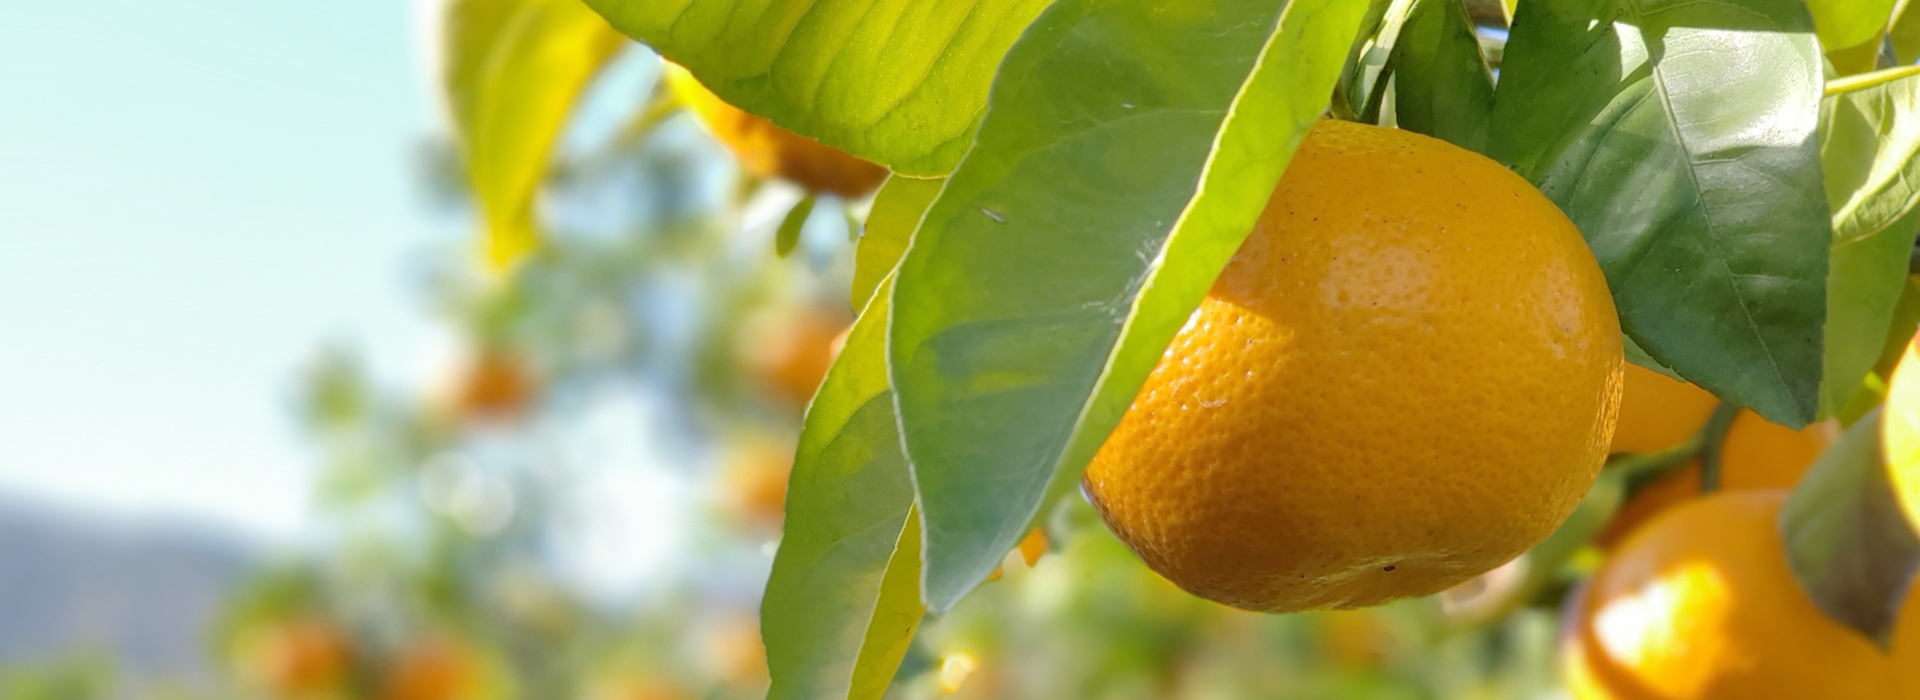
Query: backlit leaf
(512, 70)
(1844, 23)
(1872, 161)
(1129, 148)
(896, 211)
(844, 596)
(897, 82)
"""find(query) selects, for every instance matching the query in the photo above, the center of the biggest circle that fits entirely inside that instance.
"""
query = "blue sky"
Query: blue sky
(194, 195)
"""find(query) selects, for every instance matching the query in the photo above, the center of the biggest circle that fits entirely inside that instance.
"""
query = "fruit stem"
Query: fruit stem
(1711, 438)
(1649, 464)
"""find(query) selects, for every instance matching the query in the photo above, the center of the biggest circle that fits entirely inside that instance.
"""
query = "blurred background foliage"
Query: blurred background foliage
(644, 371)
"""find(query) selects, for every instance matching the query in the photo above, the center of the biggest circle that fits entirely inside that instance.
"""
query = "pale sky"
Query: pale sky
(194, 196)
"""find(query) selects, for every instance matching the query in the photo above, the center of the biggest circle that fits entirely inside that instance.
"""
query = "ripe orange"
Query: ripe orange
(1757, 454)
(770, 151)
(731, 651)
(789, 354)
(296, 658)
(1699, 605)
(1658, 412)
(434, 669)
(755, 482)
(1030, 548)
(1405, 377)
(493, 384)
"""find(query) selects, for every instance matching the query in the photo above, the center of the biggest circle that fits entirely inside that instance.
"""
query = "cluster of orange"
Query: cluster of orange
(1695, 599)
(309, 657)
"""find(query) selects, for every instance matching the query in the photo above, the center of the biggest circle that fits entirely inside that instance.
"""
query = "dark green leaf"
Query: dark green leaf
(1847, 542)
(898, 83)
(1130, 146)
(1681, 139)
(788, 236)
(1871, 156)
(896, 211)
(843, 599)
(511, 70)
(1441, 84)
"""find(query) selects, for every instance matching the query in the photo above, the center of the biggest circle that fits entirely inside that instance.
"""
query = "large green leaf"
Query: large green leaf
(1872, 160)
(844, 596)
(512, 70)
(1130, 146)
(1844, 23)
(1847, 543)
(896, 211)
(1681, 137)
(898, 82)
(1441, 84)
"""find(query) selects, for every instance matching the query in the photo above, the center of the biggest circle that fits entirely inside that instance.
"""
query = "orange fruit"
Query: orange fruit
(755, 482)
(789, 354)
(1031, 548)
(296, 658)
(1658, 412)
(493, 384)
(1700, 605)
(770, 151)
(1757, 454)
(1405, 377)
(732, 651)
(434, 669)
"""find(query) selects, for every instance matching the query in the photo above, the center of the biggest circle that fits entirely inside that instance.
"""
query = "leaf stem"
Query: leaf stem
(1712, 438)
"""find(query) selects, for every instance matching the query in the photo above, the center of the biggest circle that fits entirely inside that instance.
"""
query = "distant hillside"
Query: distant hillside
(141, 595)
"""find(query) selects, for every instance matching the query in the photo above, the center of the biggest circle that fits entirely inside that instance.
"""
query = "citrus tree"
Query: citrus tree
(1322, 304)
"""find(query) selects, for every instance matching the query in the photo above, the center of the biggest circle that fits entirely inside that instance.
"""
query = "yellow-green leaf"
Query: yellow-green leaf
(897, 82)
(896, 211)
(511, 71)
(1844, 23)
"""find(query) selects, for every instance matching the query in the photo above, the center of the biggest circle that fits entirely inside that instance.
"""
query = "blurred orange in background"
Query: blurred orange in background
(437, 668)
(787, 351)
(490, 383)
(300, 656)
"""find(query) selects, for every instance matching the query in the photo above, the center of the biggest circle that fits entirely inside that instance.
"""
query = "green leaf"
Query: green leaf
(512, 70)
(1844, 23)
(896, 212)
(898, 83)
(1130, 147)
(1695, 178)
(788, 237)
(1904, 33)
(1847, 543)
(1871, 156)
(1442, 87)
(844, 596)
(1365, 75)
